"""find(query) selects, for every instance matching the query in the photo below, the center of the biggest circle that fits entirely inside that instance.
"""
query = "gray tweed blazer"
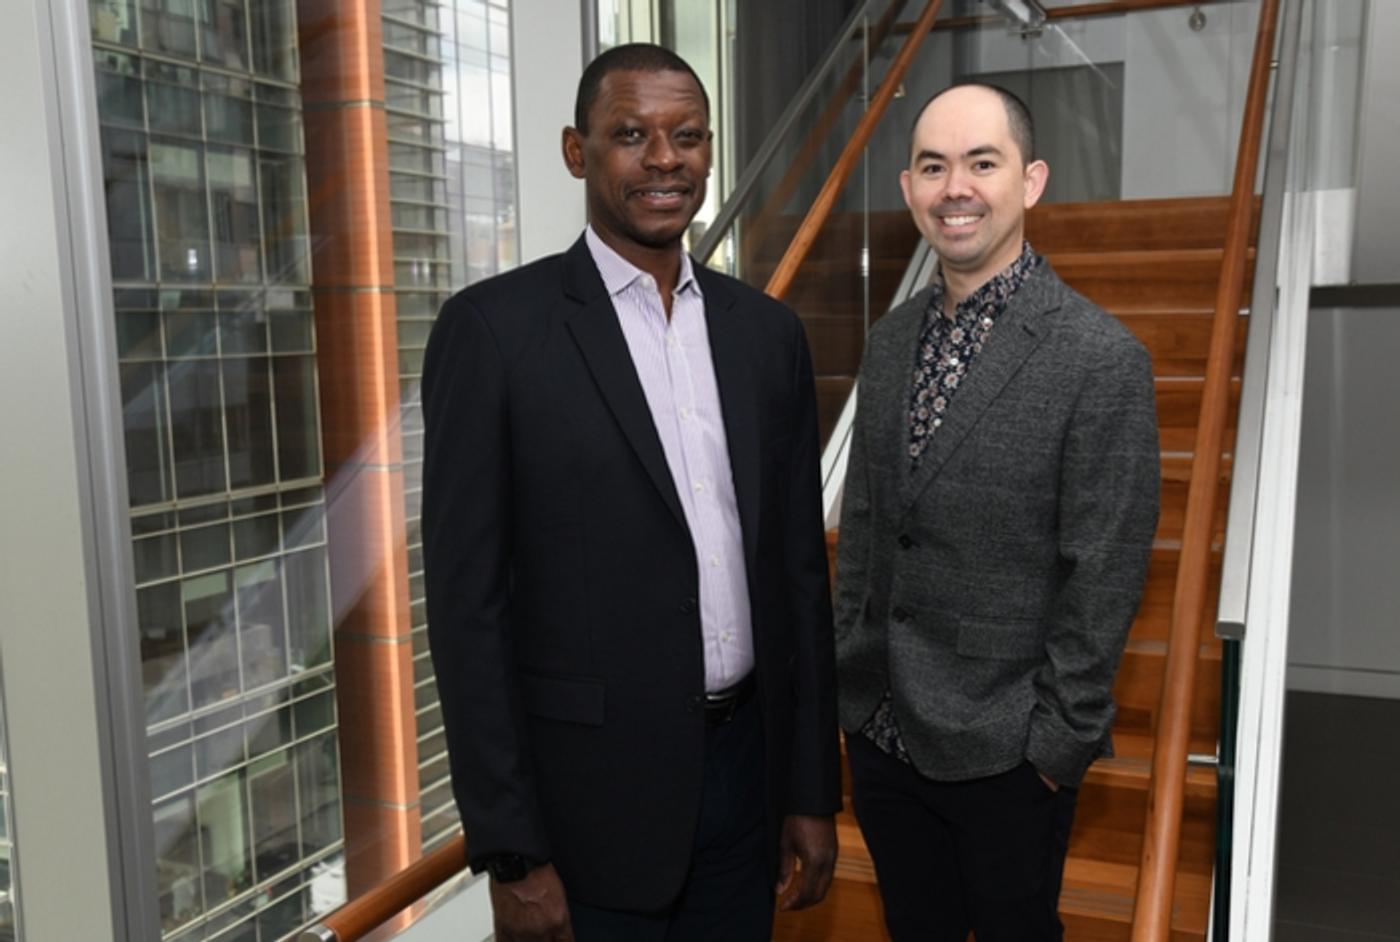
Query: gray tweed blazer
(992, 590)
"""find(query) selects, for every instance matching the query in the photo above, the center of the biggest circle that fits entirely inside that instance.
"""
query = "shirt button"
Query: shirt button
(685, 413)
(714, 560)
(905, 540)
(688, 606)
(725, 636)
(899, 614)
(699, 488)
(694, 704)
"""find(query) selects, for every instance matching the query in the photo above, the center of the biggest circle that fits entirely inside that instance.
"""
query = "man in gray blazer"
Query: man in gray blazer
(997, 521)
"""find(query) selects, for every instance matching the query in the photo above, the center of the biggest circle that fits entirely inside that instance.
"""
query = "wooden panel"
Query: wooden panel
(1131, 225)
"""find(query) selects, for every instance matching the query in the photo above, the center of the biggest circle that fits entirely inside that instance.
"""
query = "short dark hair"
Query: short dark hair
(631, 57)
(1018, 117)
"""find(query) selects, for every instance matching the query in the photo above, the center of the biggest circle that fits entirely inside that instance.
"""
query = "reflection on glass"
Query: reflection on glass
(182, 216)
(9, 924)
(224, 33)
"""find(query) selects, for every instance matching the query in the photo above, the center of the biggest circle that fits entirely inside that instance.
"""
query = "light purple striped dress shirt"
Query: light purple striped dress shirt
(678, 377)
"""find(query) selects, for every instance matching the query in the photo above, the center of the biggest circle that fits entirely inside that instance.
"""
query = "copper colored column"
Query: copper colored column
(353, 273)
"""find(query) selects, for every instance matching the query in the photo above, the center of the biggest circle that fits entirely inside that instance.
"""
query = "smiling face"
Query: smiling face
(644, 158)
(968, 186)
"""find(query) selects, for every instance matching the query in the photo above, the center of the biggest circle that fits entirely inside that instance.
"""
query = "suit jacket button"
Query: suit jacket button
(688, 606)
(694, 704)
(905, 541)
(899, 614)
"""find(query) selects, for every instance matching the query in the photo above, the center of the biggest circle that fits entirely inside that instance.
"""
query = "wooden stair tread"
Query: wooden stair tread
(1105, 891)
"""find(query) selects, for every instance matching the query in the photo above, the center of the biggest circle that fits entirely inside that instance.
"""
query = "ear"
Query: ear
(904, 187)
(573, 152)
(1037, 175)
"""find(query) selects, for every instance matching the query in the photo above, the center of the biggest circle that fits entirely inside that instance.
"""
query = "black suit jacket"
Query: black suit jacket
(562, 584)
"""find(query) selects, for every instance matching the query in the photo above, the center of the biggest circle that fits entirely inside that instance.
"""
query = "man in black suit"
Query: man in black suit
(626, 576)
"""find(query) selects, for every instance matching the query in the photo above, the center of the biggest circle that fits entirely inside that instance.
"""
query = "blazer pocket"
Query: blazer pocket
(1000, 639)
(566, 699)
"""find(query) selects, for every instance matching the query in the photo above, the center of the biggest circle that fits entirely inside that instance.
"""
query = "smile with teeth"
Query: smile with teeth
(959, 220)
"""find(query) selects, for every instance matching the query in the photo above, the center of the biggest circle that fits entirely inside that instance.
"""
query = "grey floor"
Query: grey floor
(1339, 821)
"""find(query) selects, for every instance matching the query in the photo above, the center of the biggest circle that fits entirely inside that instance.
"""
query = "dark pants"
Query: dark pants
(983, 856)
(727, 895)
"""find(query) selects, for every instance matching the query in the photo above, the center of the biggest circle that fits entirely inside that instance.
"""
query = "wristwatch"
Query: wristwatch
(508, 868)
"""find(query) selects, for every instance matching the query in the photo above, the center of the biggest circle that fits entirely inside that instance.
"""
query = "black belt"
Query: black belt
(721, 705)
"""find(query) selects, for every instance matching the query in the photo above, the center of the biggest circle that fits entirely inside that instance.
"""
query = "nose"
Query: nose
(958, 183)
(661, 153)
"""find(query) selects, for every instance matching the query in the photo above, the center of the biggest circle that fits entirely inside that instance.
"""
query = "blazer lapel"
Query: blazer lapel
(1016, 335)
(729, 350)
(599, 337)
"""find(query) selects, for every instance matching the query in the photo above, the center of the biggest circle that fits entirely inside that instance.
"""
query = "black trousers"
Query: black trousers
(727, 896)
(984, 856)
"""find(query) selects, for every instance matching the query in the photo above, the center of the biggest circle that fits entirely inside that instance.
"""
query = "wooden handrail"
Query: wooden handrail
(1166, 794)
(365, 913)
(801, 244)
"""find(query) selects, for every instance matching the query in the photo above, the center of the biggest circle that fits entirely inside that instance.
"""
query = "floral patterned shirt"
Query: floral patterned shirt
(947, 346)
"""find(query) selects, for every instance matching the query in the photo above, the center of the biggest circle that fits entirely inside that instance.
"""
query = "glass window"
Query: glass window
(196, 419)
(172, 98)
(228, 108)
(223, 26)
(146, 429)
(167, 26)
(298, 444)
(126, 175)
(113, 21)
(233, 197)
(181, 211)
(274, 37)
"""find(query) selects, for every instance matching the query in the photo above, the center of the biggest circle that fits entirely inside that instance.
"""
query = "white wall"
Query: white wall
(1377, 256)
(1177, 139)
(1345, 631)
(546, 61)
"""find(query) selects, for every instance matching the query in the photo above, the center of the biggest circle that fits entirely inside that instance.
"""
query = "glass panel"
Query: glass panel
(182, 214)
(224, 33)
(298, 448)
(274, 38)
(167, 26)
(146, 428)
(228, 109)
(206, 176)
(113, 21)
(197, 422)
(127, 178)
(284, 219)
(234, 200)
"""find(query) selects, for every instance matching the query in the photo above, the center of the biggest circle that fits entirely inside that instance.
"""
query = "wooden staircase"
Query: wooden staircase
(1155, 265)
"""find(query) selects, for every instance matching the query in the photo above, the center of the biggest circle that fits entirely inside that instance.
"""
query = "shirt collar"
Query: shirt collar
(620, 274)
(996, 291)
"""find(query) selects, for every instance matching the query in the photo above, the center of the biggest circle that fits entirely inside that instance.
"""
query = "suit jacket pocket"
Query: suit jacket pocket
(567, 699)
(1000, 638)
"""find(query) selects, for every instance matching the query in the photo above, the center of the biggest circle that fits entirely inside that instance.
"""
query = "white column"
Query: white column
(72, 727)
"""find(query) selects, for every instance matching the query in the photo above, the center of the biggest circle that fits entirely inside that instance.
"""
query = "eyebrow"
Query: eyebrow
(980, 151)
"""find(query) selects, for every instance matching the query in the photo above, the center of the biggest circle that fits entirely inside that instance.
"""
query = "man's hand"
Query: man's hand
(533, 909)
(806, 855)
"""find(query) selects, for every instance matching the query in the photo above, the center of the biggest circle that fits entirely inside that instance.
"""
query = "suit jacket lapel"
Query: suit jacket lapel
(1015, 336)
(729, 350)
(599, 336)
